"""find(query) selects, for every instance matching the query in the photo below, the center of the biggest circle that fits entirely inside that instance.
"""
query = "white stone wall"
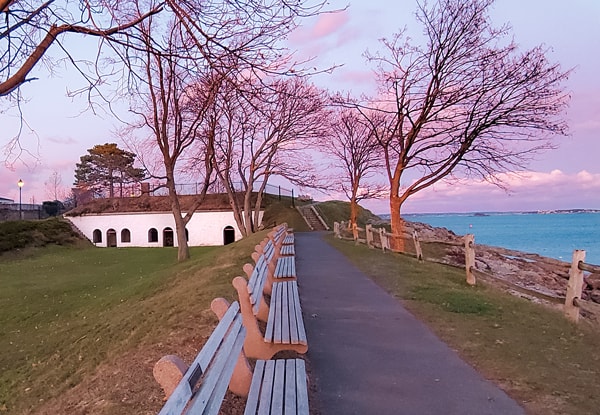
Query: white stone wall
(205, 228)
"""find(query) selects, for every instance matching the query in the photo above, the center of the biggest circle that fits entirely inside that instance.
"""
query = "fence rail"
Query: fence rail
(573, 304)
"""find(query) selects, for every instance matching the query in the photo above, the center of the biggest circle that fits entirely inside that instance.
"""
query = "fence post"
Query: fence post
(384, 240)
(417, 246)
(355, 232)
(336, 230)
(574, 286)
(369, 235)
(470, 258)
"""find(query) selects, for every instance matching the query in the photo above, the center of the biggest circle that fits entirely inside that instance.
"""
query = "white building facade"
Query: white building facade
(156, 229)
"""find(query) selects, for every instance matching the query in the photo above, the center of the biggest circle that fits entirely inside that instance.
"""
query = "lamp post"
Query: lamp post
(20, 183)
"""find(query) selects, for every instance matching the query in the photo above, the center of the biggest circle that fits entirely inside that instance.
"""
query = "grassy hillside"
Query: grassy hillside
(80, 329)
(16, 235)
(337, 211)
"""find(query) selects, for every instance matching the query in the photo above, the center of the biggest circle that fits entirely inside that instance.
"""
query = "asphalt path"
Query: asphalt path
(369, 355)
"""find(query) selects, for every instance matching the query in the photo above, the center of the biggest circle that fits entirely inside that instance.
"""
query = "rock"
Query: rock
(595, 296)
(593, 280)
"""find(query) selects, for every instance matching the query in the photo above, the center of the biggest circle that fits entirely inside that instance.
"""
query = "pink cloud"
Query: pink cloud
(324, 25)
(526, 191)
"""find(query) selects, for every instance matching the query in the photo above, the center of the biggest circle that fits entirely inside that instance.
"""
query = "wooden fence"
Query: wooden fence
(573, 304)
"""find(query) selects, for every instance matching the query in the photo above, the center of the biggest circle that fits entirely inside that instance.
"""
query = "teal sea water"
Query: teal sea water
(553, 235)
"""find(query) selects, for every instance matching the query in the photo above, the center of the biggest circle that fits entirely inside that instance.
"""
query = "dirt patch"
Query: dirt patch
(125, 385)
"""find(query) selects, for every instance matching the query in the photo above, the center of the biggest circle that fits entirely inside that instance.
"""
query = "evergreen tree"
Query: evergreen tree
(106, 166)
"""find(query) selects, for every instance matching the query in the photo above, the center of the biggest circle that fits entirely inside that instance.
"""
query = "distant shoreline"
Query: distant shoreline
(486, 213)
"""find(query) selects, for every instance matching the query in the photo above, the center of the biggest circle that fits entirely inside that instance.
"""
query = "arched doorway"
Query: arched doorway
(152, 235)
(111, 238)
(97, 236)
(168, 237)
(228, 235)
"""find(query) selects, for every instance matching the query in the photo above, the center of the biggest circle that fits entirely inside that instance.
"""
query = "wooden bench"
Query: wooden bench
(283, 315)
(279, 266)
(275, 387)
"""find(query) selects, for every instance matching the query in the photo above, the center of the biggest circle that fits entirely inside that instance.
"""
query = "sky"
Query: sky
(59, 129)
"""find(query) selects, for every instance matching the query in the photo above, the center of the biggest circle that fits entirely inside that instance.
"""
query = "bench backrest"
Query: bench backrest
(203, 386)
(257, 281)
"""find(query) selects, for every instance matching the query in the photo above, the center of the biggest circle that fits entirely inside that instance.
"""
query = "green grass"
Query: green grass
(545, 362)
(336, 210)
(65, 311)
(16, 235)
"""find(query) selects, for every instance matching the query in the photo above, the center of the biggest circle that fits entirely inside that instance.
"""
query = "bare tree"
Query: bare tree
(262, 129)
(29, 29)
(468, 103)
(177, 67)
(352, 144)
(54, 187)
(166, 89)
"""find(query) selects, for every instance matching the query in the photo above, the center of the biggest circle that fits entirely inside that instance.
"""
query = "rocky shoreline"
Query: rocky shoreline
(534, 272)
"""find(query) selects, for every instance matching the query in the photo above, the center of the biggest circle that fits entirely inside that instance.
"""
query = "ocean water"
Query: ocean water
(554, 235)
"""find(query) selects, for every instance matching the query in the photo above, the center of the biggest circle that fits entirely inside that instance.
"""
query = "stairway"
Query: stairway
(311, 218)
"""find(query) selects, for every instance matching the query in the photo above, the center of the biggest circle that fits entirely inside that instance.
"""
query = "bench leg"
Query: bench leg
(255, 346)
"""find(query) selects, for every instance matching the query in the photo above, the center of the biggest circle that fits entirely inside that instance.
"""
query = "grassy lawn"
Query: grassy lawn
(543, 361)
(65, 311)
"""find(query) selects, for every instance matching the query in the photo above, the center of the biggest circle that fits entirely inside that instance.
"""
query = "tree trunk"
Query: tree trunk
(353, 211)
(398, 224)
(183, 250)
(248, 222)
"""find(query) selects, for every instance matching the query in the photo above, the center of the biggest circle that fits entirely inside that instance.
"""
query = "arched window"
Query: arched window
(152, 235)
(125, 235)
(97, 236)
(111, 238)
(228, 235)
(168, 237)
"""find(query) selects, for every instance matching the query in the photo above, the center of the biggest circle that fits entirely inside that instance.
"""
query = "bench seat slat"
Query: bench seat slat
(271, 319)
(278, 388)
(294, 338)
(287, 250)
(266, 393)
(286, 267)
(290, 387)
(255, 386)
(285, 323)
(285, 314)
(277, 399)
(301, 388)
(298, 314)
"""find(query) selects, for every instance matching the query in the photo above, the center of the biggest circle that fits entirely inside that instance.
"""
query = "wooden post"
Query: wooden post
(355, 232)
(470, 258)
(383, 239)
(369, 235)
(574, 286)
(417, 246)
(336, 230)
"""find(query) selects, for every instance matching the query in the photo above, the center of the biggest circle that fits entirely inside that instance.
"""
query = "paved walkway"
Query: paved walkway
(370, 356)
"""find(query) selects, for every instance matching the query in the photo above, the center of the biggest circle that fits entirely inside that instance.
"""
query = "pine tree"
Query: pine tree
(106, 166)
